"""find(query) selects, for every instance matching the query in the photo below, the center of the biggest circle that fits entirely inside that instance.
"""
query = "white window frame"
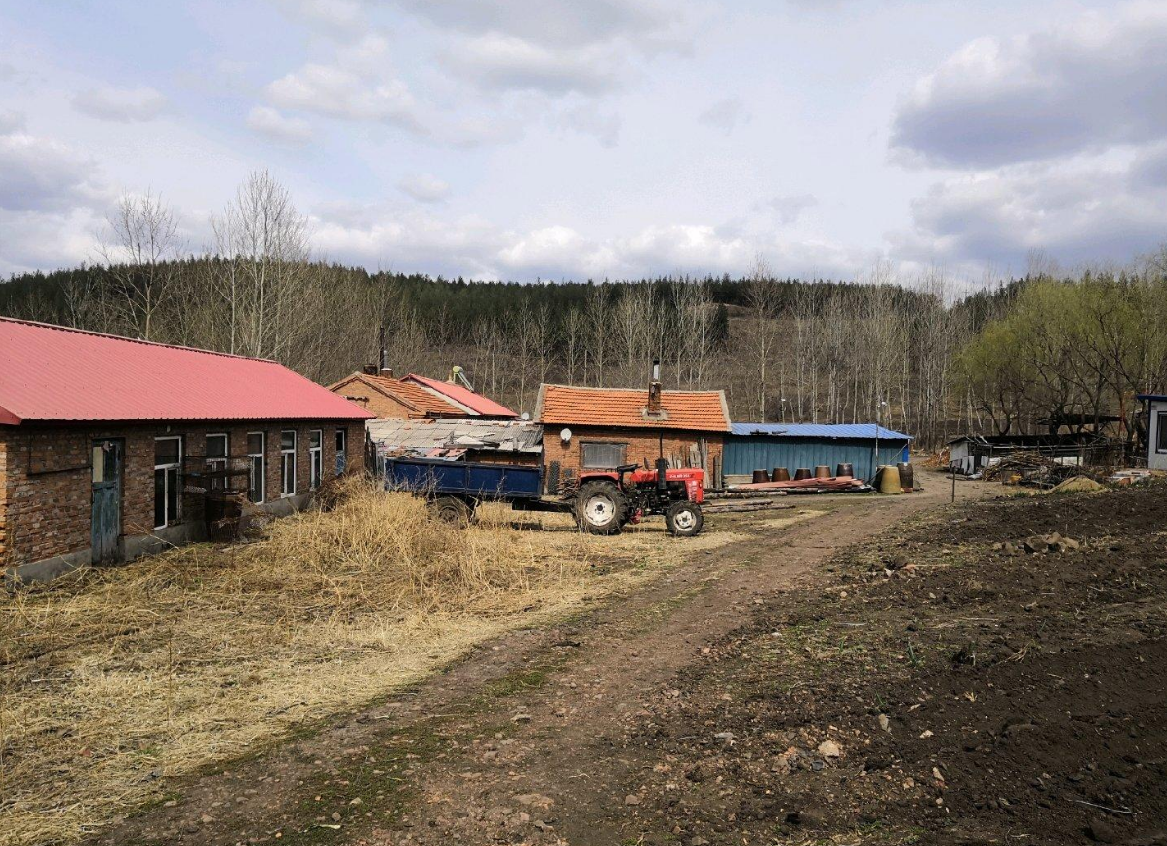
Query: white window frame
(177, 467)
(1160, 423)
(262, 456)
(315, 459)
(622, 445)
(218, 463)
(284, 453)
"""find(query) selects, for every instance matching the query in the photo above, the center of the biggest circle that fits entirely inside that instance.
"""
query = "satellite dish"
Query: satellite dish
(526, 415)
(565, 435)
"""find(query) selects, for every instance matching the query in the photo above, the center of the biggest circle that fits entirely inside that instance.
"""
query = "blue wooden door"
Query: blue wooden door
(107, 501)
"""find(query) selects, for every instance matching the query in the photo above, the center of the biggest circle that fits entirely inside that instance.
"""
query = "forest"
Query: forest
(917, 354)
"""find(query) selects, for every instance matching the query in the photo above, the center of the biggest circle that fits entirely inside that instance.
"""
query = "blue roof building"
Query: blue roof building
(764, 446)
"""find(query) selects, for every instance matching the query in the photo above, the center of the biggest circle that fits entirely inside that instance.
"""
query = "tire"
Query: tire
(453, 510)
(600, 508)
(684, 519)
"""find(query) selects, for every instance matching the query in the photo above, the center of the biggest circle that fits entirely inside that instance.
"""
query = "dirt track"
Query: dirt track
(526, 739)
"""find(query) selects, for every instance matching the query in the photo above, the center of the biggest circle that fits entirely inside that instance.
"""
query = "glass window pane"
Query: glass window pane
(340, 440)
(255, 483)
(287, 440)
(166, 451)
(603, 456)
(314, 439)
(98, 465)
(255, 443)
(171, 494)
(216, 446)
(159, 498)
(1162, 432)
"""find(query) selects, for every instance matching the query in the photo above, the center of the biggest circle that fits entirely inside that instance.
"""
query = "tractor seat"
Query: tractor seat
(627, 468)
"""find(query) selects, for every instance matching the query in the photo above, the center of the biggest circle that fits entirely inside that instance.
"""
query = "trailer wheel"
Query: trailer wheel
(684, 518)
(600, 508)
(453, 510)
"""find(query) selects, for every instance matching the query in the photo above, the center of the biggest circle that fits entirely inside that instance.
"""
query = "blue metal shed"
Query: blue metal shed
(764, 446)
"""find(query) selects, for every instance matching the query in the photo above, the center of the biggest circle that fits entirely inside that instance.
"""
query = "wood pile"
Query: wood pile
(831, 484)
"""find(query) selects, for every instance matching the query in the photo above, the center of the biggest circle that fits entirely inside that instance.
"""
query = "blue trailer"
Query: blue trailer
(603, 501)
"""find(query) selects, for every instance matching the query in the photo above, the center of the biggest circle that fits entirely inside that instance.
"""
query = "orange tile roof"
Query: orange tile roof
(703, 411)
(412, 396)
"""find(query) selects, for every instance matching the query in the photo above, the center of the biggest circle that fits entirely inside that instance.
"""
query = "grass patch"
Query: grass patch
(113, 681)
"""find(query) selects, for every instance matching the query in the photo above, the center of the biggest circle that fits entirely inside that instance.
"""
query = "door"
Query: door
(107, 501)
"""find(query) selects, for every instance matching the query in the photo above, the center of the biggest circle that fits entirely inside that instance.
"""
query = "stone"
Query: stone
(1101, 831)
(631, 799)
(830, 749)
(885, 723)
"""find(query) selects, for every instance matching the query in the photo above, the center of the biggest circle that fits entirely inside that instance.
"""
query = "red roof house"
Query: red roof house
(603, 428)
(475, 404)
(387, 398)
(111, 447)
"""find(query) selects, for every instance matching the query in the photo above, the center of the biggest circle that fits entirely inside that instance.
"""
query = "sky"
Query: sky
(547, 139)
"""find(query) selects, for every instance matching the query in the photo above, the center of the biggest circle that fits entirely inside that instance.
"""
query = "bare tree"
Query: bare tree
(140, 250)
(762, 301)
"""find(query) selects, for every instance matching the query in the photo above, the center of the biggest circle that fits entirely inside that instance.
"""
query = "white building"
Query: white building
(1156, 430)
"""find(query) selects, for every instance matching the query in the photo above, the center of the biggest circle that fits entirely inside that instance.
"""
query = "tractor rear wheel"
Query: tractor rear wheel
(684, 518)
(600, 508)
(453, 510)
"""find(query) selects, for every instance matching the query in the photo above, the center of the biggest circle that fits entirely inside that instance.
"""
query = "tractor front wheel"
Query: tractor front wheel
(684, 519)
(600, 508)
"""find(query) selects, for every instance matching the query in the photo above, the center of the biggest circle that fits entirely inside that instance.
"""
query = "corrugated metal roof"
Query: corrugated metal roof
(462, 396)
(55, 373)
(819, 430)
(420, 436)
(702, 411)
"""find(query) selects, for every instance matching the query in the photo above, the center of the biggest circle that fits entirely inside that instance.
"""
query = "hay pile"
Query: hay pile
(112, 680)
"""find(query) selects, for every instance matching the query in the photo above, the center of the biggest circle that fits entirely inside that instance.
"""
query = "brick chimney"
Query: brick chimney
(387, 372)
(654, 406)
(370, 369)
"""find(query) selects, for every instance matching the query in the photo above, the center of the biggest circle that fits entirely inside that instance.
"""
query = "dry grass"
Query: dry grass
(114, 680)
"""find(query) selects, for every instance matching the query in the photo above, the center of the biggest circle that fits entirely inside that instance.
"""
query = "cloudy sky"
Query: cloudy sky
(600, 138)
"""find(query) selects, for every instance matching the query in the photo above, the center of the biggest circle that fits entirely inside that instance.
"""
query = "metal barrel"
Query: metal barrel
(889, 479)
(822, 471)
(907, 475)
(761, 476)
(802, 473)
(780, 474)
(845, 470)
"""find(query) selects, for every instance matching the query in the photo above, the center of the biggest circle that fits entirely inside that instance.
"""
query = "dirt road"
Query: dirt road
(525, 740)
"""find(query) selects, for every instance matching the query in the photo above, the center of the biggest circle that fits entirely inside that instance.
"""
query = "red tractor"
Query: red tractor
(605, 501)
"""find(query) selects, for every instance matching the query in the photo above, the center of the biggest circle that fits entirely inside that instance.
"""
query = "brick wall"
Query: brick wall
(45, 477)
(642, 444)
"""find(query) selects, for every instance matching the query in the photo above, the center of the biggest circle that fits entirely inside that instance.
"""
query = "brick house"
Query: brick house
(474, 403)
(387, 398)
(601, 428)
(111, 447)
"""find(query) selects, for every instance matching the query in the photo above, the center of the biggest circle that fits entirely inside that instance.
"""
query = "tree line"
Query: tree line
(908, 353)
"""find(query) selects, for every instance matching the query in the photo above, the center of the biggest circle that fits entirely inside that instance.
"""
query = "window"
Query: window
(315, 458)
(287, 462)
(341, 452)
(217, 461)
(167, 461)
(1161, 432)
(256, 465)
(603, 456)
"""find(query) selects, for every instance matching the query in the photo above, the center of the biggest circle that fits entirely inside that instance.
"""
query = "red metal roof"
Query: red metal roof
(702, 411)
(464, 397)
(55, 373)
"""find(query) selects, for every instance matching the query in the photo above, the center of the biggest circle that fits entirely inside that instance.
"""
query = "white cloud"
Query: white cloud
(509, 62)
(790, 207)
(271, 123)
(1078, 212)
(123, 105)
(589, 119)
(563, 23)
(342, 18)
(335, 92)
(38, 174)
(10, 121)
(724, 114)
(424, 187)
(1097, 81)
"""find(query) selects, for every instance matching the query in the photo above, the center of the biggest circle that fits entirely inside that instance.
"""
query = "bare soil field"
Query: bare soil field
(855, 670)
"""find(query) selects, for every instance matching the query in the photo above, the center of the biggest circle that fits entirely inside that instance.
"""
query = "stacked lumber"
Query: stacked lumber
(831, 484)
